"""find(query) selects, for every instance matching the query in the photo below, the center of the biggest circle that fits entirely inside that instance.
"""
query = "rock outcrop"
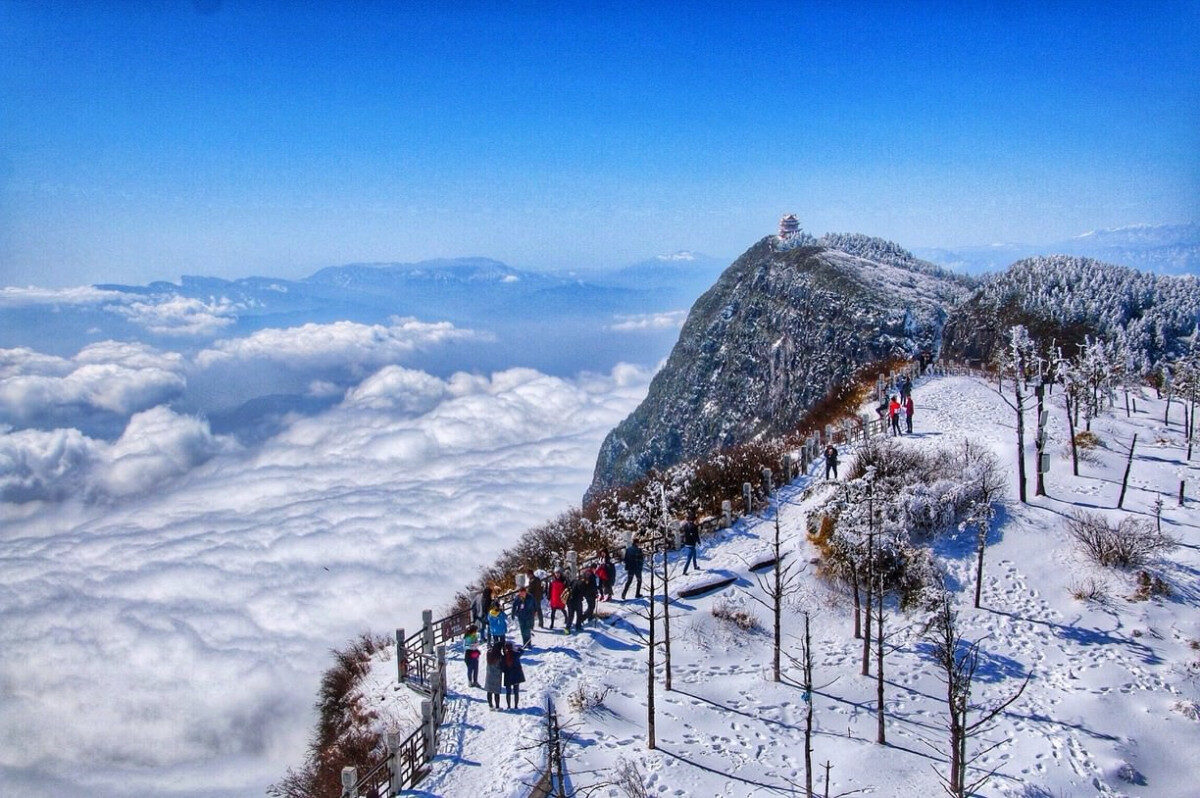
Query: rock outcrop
(781, 328)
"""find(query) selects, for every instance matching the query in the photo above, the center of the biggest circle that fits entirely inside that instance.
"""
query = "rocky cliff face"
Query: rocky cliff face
(780, 329)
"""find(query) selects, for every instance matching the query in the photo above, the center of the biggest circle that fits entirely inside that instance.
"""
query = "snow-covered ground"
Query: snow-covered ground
(1113, 683)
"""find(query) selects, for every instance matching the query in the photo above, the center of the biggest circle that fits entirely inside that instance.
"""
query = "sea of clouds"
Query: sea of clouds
(168, 595)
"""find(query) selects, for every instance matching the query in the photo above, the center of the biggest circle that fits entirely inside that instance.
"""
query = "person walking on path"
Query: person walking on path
(493, 680)
(514, 674)
(606, 573)
(471, 654)
(691, 541)
(894, 415)
(908, 413)
(558, 599)
(479, 608)
(590, 591)
(575, 594)
(905, 386)
(634, 560)
(831, 461)
(524, 610)
(497, 623)
(537, 589)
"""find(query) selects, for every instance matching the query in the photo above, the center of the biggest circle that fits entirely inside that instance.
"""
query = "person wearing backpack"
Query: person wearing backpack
(634, 560)
(495, 674)
(523, 612)
(606, 573)
(576, 593)
(831, 461)
(471, 654)
(514, 674)
(497, 623)
(537, 589)
(558, 596)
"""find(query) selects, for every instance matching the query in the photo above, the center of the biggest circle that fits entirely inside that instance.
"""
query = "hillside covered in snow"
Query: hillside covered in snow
(1103, 663)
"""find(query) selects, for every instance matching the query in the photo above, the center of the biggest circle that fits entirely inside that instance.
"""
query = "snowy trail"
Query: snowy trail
(1107, 679)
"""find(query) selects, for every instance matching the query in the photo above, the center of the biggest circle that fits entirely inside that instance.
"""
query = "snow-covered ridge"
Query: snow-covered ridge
(1110, 709)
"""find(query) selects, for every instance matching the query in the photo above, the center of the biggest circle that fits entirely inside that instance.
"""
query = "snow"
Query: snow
(1111, 689)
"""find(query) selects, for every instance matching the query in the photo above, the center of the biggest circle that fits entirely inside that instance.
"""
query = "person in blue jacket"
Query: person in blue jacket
(497, 624)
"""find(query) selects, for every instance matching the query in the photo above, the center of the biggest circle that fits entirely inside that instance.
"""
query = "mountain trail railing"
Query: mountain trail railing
(408, 758)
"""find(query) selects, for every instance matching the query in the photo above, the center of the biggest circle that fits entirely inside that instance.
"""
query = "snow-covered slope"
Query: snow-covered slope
(1113, 684)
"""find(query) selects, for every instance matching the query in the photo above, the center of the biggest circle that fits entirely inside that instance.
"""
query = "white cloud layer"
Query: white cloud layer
(672, 319)
(127, 377)
(54, 465)
(171, 640)
(329, 345)
(179, 315)
(17, 297)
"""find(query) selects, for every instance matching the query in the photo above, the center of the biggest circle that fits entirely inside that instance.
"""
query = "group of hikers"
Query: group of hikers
(574, 596)
(893, 408)
(898, 407)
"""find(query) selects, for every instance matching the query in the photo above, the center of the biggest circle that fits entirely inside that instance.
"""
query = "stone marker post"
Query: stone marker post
(726, 514)
(429, 729)
(401, 656)
(393, 744)
(427, 632)
(768, 481)
(572, 565)
(748, 497)
(349, 779)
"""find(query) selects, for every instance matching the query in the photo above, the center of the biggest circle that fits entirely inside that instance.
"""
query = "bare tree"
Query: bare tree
(783, 582)
(957, 661)
(1128, 466)
(1015, 359)
(650, 639)
(990, 482)
(666, 591)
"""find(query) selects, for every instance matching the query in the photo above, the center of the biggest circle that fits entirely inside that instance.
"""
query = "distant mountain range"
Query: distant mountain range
(1165, 249)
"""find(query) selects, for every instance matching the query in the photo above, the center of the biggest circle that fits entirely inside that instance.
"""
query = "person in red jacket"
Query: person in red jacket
(558, 602)
(894, 414)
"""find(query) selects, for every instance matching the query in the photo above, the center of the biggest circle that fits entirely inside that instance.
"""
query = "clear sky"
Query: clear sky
(144, 140)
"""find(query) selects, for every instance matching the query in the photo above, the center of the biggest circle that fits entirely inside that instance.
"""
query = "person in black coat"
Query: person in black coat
(524, 610)
(691, 541)
(634, 560)
(591, 591)
(576, 593)
(514, 674)
(831, 461)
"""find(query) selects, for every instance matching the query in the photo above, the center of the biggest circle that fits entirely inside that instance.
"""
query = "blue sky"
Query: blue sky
(142, 141)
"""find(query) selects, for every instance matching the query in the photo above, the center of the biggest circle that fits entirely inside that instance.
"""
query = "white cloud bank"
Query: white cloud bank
(668, 320)
(126, 377)
(171, 640)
